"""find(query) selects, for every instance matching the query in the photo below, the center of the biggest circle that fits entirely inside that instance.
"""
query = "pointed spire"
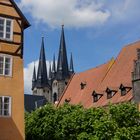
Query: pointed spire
(42, 79)
(62, 66)
(53, 66)
(34, 78)
(50, 72)
(71, 69)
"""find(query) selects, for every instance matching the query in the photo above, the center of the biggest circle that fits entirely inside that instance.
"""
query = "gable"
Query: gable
(9, 9)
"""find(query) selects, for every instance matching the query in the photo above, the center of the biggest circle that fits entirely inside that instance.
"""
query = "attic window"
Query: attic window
(83, 85)
(96, 96)
(110, 93)
(67, 100)
(124, 89)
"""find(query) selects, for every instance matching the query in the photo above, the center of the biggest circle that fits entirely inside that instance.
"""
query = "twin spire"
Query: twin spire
(61, 72)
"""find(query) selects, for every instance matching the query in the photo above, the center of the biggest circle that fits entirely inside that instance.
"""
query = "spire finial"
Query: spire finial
(62, 26)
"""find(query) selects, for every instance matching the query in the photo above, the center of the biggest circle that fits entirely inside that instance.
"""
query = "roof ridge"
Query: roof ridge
(63, 93)
(98, 66)
(131, 44)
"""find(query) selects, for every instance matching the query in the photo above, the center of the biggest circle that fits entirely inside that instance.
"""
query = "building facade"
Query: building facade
(12, 25)
(52, 84)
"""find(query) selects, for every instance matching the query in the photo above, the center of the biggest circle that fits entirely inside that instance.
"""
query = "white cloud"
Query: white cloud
(74, 13)
(28, 73)
(123, 10)
(81, 13)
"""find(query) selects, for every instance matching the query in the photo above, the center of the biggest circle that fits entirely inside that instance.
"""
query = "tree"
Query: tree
(74, 122)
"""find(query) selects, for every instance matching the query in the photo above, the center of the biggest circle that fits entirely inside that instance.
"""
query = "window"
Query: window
(124, 89)
(6, 28)
(83, 85)
(54, 97)
(110, 93)
(5, 65)
(5, 106)
(96, 96)
(67, 100)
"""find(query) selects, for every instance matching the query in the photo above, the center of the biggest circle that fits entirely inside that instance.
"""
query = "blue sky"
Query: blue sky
(95, 30)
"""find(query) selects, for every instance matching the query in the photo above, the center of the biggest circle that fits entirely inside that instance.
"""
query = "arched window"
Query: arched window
(54, 97)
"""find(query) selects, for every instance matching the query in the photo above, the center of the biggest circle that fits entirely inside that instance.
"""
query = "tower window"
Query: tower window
(5, 106)
(54, 97)
(110, 93)
(96, 96)
(6, 28)
(5, 65)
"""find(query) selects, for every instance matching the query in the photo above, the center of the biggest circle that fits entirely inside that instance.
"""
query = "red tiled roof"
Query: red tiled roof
(111, 74)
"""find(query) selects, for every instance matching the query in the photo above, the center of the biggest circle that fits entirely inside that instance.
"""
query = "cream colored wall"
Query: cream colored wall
(12, 128)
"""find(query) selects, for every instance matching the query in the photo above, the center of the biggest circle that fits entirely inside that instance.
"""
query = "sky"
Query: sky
(95, 30)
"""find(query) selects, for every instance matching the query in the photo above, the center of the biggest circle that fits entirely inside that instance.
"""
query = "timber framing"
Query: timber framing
(10, 53)
(6, 4)
(10, 42)
(10, 16)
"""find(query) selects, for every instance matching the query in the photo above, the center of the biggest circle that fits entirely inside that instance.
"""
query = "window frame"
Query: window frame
(4, 66)
(110, 93)
(9, 107)
(96, 96)
(4, 30)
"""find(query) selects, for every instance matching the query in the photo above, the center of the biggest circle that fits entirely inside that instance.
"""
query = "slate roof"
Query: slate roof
(62, 63)
(31, 102)
(112, 75)
(42, 77)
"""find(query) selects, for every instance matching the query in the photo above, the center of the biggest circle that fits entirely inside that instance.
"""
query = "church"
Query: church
(52, 84)
(116, 81)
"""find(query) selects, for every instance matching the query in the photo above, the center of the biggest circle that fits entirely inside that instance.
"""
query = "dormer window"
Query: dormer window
(96, 96)
(67, 100)
(6, 29)
(110, 93)
(83, 85)
(124, 89)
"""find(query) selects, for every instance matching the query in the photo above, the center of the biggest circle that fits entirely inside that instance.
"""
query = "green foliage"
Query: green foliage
(73, 122)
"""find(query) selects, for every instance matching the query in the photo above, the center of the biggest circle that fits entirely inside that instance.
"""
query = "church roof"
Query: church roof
(62, 63)
(42, 77)
(111, 75)
(71, 69)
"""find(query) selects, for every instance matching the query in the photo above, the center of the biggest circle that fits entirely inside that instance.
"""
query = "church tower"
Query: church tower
(40, 85)
(62, 75)
(136, 78)
(52, 85)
